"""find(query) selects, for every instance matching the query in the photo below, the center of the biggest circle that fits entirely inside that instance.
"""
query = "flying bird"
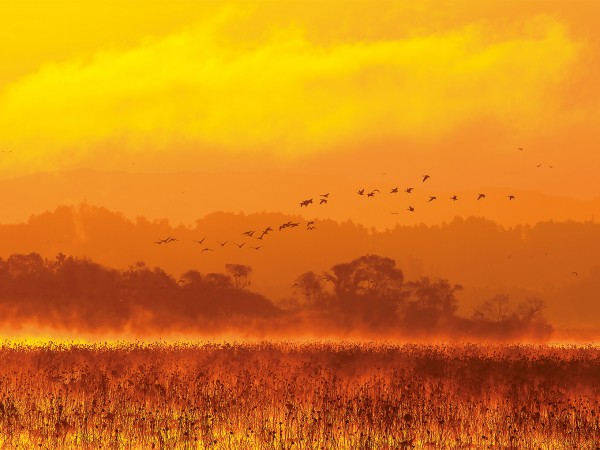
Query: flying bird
(200, 241)
(306, 202)
(575, 273)
(432, 198)
(311, 228)
(539, 165)
(425, 178)
(394, 191)
(480, 196)
(312, 222)
(265, 232)
(207, 250)
(239, 245)
(248, 233)
(408, 190)
(361, 192)
(511, 197)
(454, 198)
(256, 248)
(323, 200)
(520, 148)
(324, 195)
(222, 244)
(411, 209)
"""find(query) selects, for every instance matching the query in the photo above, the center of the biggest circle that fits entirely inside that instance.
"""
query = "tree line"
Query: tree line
(367, 296)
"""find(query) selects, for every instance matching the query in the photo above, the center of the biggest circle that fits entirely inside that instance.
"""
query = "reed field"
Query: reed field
(318, 395)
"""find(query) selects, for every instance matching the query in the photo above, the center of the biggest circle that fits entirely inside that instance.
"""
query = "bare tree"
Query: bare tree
(496, 309)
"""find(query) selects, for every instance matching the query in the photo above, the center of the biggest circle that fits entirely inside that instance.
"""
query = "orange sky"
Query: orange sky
(344, 94)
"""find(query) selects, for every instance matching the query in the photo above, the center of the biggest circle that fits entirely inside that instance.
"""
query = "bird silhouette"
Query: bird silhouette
(158, 242)
(249, 233)
(520, 148)
(480, 196)
(311, 228)
(370, 194)
(454, 198)
(324, 195)
(200, 241)
(511, 197)
(411, 209)
(323, 200)
(432, 198)
(425, 177)
(206, 250)
(239, 245)
(408, 190)
(306, 202)
(538, 166)
(394, 190)
(312, 222)
(256, 248)
(575, 273)
(361, 192)
(222, 244)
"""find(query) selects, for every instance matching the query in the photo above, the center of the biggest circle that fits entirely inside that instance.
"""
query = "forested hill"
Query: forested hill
(554, 261)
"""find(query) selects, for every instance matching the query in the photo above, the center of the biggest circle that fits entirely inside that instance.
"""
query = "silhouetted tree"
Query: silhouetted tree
(240, 274)
(430, 303)
(311, 286)
(371, 275)
(496, 309)
(367, 289)
(500, 321)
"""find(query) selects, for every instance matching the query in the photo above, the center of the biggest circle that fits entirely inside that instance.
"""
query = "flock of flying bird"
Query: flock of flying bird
(322, 200)
(310, 225)
(325, 197)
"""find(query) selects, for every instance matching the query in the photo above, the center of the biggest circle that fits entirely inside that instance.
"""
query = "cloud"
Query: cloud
(284, 95)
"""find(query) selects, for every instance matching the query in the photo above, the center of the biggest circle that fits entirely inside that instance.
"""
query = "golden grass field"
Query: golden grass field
(298, 396)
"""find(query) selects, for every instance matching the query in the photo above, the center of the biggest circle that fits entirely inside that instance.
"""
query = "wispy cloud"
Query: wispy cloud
(286, 94)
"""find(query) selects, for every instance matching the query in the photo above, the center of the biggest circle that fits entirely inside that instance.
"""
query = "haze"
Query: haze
(219, 115)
